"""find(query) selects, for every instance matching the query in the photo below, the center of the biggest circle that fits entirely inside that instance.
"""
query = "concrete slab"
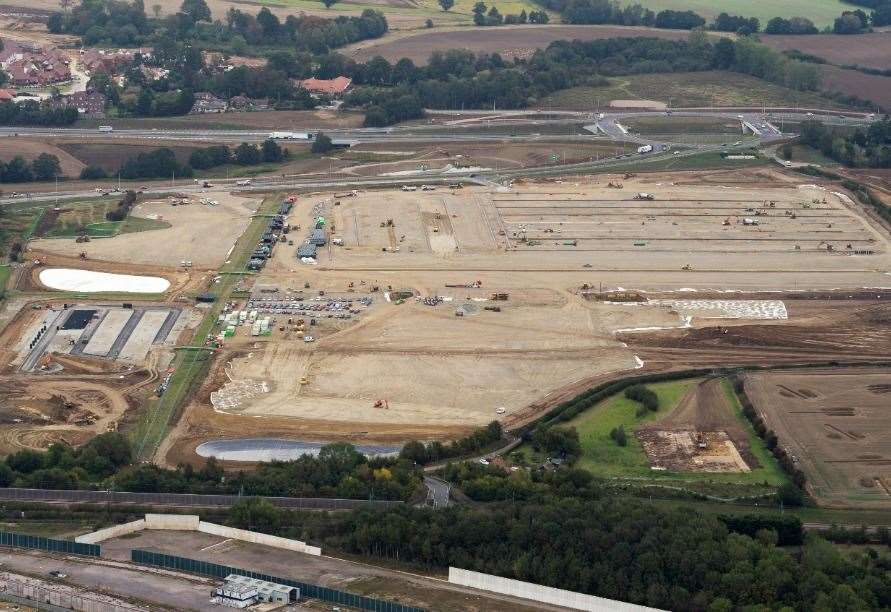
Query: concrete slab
(104, 337)
(142, 336)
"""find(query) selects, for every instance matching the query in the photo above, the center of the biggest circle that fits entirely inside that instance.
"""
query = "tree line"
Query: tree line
(669, 558)
(44, 167)
(32, 112)
(869, 148)
(123, 23)
(459, 79)
(107, 461)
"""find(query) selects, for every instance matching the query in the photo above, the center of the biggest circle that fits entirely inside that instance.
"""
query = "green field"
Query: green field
(604, 458)
(821, 12)
(16, 225)
(701, 161)
(88, 218)
(802, 153)
(688, 89)
(682, 125)
(462, 12)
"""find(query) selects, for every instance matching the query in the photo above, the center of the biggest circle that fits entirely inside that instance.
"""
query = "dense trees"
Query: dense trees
(338, 471)
(647, 399)
(478, 441)
(321, 144)
(125, 205)
(795, 25)
(45, 167)
(160, 163)
(870, 148)
(32, 113)
(851, 22)
(674, 559)
(735, 23)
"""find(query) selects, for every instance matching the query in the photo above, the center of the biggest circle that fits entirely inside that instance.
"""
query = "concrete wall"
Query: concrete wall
(115, 531)
(191, 522)
(258, 538)
(537, 592)
(179, 522)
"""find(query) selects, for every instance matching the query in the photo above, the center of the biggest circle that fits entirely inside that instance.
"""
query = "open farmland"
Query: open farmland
(690, 89)
(30, 148)
(508, 41)
(836, 424)
(870, 50)
(875, 88)
(821, 12)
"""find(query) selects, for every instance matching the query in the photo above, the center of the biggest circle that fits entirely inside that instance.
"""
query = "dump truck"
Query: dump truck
(645, 149)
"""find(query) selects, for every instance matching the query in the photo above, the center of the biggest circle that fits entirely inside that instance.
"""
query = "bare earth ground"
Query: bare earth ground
(874, 88)
(30, 148)
(868, 50)
(705, 410)
(510, 42)
(836, 423)
(360, 578)
(198, 233)
(441, 374)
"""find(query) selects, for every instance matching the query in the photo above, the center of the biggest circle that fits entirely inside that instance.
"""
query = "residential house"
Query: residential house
(243, 103)
(329, 87)
(90, 104)
(206, 102)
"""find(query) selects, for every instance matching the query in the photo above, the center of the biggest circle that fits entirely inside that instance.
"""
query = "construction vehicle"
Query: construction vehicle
(701, 442)
(726, 221)
(304, 380)
(382, 404)
(499, 297)
(612, 185)
(686, 267)
(82, 255)
(492, 308)
(82, 238)
(644, 196)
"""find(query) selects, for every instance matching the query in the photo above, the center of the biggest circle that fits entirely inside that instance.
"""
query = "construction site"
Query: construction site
(452, 288)
(377, 316)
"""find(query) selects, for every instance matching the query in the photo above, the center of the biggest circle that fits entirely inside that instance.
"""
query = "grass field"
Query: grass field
(88, 218)
(702, 161)
(691, 89)
(683, 125)
(821, 12)
(461, 12)
(802, 153)
(604, 458)
(17, 224)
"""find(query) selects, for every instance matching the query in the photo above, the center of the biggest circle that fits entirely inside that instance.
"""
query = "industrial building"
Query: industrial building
(242, 591)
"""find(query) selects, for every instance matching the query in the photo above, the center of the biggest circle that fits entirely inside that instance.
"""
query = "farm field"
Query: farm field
(509, 41)
(821, 12)
(692, 89)
(874, 88)
(271, 120)
(836, 424)
(870, 50)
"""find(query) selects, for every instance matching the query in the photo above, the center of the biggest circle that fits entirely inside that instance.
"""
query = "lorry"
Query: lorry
(645, 149)
(106, 128)
(290, 136)
(243, 183)
(644, 196)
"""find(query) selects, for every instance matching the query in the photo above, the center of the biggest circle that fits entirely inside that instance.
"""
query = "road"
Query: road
(763, 125)
(438, 491)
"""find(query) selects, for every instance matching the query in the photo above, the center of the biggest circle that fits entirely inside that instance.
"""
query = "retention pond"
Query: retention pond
(275, 449)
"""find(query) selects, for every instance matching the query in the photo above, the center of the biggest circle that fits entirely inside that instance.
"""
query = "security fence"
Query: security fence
(21, 540)
(38, 595)
(313, 591)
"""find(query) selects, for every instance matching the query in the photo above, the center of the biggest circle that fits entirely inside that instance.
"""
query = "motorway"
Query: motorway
(762, 125)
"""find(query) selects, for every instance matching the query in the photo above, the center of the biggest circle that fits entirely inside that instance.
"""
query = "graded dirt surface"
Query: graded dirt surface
(354, 577)
(199, 233)
(510, 42)
(870, 50)
(438, 375)
(705, 411)
(836, 424)
(30, 149)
